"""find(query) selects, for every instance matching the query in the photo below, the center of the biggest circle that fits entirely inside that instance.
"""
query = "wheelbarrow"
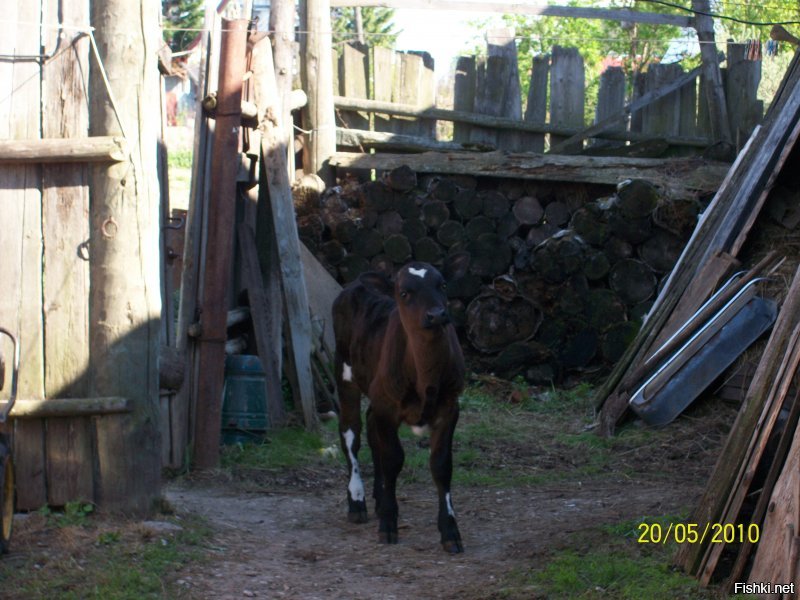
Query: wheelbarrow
(6, 461)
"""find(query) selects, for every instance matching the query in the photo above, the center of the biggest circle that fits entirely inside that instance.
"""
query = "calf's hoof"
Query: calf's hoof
(453, 546)
(387, 537)
(359, 516)
(357, 511)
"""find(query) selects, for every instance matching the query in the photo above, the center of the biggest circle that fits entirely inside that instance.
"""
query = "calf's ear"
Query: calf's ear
(455, 265)
(378, 281)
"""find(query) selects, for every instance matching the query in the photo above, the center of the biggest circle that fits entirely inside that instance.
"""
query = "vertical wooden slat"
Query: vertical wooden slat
(21, 238)
(65, 215)
(383, 60)
(427, 94)
(464, 95)
(741, 92)
(610, 102)
(500, 42)
(410, 88)
(662, 117)
(490, 97)
(354, 83)
(536, 110)
(567, 96)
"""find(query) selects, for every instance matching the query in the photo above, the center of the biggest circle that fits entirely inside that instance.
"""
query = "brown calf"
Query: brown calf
(397, 346)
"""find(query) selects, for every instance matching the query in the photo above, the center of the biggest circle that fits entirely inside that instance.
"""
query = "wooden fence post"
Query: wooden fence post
(124, 241)
(281, 24)
(317, 69)
(354, 83)
(566, 92)
(715, 92)
(383, 67)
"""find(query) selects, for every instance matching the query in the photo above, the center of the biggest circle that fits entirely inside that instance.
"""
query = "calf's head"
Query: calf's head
(420, 292)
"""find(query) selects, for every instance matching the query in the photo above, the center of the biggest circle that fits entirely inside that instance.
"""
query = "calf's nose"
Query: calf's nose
(436, 316)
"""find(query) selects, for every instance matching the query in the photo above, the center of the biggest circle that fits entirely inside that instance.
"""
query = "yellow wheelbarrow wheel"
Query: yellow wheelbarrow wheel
(6, 495)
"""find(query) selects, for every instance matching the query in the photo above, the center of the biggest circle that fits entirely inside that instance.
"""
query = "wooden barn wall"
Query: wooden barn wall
(45, 269)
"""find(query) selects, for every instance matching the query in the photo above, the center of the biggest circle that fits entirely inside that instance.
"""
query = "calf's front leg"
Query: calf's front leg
(442, 470)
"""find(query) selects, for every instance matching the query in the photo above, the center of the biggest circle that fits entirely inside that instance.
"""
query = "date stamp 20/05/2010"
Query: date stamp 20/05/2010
(696, 533)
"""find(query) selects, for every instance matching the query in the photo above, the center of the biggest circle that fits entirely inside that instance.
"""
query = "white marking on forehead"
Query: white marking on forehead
(449, 502)
(418, 272)
(347, 372)
(356, 486)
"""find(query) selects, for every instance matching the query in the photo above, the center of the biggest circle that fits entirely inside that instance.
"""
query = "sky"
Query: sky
(443, 33)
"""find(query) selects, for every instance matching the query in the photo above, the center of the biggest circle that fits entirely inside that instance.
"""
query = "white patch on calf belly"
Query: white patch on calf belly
(356, 486)
(347, 374)
(450, 510)
(420, 431)
(418, 272)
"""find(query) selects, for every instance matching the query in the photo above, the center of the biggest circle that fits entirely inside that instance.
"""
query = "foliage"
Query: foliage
(181, 15)
(377, 23)
(74, 513)
(288, 448)
(602, 43)
(180, 159)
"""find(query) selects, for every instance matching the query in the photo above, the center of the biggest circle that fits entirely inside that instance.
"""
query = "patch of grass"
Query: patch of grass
(285, 449)
(98, 559)
(614, 575)
(616, 566)
(180, 159)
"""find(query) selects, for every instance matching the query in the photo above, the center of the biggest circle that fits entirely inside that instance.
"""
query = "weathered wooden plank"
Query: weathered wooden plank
(536, 109)
(776, 556)
(500, 42)
(715, 92)
(262, 312)
(528, 8)
(463, 94)
(65, 215)
(273, 155)
(413, 86)
(21, 239)
(679, 176)
(353, 138)
(741, 93)
(501, 122)
(567, 95)
(62, 408)
(62, 150)
(354, 82)
(662, 117)
(610, 100)
(383, 65)
(490, 98)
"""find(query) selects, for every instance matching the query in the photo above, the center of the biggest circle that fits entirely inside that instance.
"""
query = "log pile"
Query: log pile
(560, 274)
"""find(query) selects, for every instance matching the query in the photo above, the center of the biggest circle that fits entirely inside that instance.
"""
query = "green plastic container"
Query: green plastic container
(244, 402)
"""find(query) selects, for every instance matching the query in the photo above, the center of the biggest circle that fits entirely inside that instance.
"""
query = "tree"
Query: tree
(629, 45)
(182, 19)
(377, 24)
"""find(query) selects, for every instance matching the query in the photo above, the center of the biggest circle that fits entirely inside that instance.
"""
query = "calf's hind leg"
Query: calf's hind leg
(350, 438)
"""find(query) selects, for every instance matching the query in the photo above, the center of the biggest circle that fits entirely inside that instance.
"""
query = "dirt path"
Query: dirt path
(298, 544)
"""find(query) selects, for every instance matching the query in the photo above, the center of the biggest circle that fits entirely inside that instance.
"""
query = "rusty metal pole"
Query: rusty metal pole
(219, 244)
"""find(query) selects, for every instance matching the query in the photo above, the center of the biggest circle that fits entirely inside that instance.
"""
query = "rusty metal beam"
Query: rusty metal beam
(219, 244)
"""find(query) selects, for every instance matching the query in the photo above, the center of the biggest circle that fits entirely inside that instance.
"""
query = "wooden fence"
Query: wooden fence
(386, 99)
(78, 433)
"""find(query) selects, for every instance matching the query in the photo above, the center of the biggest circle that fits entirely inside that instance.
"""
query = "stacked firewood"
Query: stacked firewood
(557, 280)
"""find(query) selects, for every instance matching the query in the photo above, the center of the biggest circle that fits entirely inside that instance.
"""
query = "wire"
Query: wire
(719, 16)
